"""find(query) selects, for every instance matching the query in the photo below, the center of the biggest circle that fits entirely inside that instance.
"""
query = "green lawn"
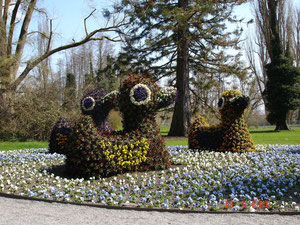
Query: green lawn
(164, 130)
(7, 145)
(260, 136)
(269, 136)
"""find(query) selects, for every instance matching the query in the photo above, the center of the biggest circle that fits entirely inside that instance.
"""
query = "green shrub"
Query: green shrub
(31, 116)
(115, 120)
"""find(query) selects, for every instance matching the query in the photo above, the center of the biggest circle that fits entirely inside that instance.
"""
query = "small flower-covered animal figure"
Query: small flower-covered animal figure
(231, 134)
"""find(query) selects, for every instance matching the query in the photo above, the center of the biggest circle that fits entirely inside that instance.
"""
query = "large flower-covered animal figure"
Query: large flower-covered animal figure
(138, 147)
(96, 104)
(231, 134)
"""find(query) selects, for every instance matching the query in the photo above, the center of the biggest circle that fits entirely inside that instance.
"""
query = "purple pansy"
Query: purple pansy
(140, 94)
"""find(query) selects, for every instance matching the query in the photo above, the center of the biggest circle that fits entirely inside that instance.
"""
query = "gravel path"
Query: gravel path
(23, 212)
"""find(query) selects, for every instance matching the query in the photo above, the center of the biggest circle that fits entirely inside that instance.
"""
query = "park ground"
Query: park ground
(261, 135)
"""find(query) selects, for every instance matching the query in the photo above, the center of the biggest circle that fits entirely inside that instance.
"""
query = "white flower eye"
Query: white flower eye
(221, 103)
(88, 103)
(140, 94)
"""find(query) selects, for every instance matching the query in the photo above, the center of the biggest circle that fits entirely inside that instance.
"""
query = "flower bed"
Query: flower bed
(267, 180)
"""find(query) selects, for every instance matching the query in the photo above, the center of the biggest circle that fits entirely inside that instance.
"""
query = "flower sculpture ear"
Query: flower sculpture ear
(140, 94)
(166, 97)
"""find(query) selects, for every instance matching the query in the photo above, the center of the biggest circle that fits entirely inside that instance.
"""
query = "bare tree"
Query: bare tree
(296, 45)
(296, 42)
(43, 70)
(257, 56)
(11, 54)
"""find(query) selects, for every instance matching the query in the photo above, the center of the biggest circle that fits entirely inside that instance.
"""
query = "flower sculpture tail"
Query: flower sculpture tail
(60, 136)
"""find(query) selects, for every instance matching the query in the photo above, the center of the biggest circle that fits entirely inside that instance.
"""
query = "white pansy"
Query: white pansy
(252, 209)
(166, 92)
(112, 93)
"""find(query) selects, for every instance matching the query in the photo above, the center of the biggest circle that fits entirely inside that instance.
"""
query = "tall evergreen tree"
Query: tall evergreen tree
(282, 91)
(88, 81)
(106, 77)
(175, 37)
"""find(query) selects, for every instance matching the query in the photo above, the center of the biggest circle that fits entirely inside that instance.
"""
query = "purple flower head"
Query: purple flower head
(91, 101)
(140, 94)
(88, 103)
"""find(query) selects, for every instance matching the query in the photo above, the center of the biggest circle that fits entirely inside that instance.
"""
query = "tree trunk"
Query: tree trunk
(182, 113)
(282, 121)
(282, 125)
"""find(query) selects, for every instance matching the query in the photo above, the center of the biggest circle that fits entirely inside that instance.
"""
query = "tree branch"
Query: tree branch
(12, 27)
(85, 19)
(50, 37)
(24, 29)
(89, 37)
(1, 7)
(6, 4)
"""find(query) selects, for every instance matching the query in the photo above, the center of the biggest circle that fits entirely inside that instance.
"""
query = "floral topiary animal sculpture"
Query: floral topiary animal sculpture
(231, 134)
(96, 104)
(138, 147)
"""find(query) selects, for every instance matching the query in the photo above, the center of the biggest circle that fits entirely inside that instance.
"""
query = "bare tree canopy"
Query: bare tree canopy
(11, 51)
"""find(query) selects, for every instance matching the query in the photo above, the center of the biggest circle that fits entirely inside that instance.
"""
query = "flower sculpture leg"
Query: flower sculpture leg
(231, 134)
